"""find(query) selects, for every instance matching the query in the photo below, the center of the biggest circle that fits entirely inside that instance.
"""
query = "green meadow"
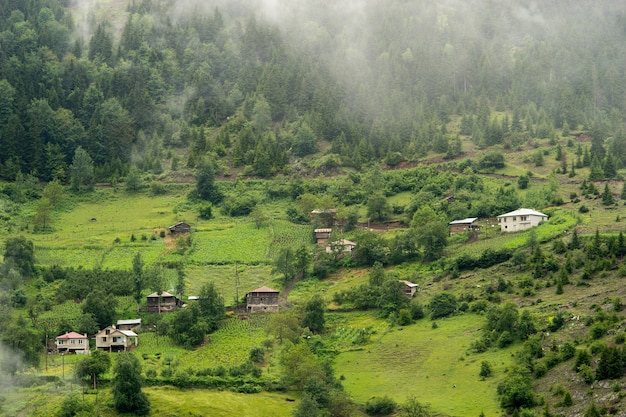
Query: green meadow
(432, 365)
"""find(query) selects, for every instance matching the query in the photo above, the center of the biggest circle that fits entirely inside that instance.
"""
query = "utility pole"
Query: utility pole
(236, 286)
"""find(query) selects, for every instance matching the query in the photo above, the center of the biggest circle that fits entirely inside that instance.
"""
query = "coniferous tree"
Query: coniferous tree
(607, 196)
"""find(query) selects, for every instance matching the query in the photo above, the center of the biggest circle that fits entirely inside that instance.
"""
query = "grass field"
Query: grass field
(414, 362)
(175, 402)
(45, 400)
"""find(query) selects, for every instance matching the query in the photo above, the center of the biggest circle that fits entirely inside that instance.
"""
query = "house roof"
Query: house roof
(163, 294)
(469, 220)
(128, 333)
(179, 224)
(193, 297)
(409, 284)
(323, 230)
(129, 321)
(524, 212)
(72, 335)
(344, 242)
(264, 289)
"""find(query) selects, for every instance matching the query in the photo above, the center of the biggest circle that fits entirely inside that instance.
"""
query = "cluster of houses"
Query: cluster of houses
(114, 338)
(122, 336)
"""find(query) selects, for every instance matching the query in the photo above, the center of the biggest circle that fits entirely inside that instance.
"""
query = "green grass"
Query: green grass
(229, 346)
(223, 277)
(430, 364)
(167, 401)
(230, 243)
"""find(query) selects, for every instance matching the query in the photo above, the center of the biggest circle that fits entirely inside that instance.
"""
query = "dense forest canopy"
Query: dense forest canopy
(256, 84)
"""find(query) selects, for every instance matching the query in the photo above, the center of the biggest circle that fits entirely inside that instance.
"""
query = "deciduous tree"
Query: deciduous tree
(126, 386)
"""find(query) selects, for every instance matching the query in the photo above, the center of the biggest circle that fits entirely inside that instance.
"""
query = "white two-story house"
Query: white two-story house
(521, 219)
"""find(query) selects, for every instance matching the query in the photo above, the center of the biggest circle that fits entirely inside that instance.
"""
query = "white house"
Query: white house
(72, 342)
(521, 219)
(115, 340)
(343, 245)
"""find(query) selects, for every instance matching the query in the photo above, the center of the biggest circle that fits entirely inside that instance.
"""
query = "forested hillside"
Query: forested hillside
(255, 85)
(253, 123)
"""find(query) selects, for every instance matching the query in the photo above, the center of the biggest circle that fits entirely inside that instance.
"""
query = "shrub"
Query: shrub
(257, 355)
(404, 317)
(206, 211)
(380, 406)
(485, 369)
(540, 370)
(442, 305)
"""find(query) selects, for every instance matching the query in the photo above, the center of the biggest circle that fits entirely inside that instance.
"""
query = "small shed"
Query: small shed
(72, 342)
(130, 324)
(465, 225)
(322, 236)
(166, 302)
(180, 227)
(409, 288)
(262, 299)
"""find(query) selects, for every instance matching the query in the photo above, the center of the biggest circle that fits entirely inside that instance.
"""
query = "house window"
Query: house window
(72, 342)
(107, 331)
(80, 342)
(117, 339)
(104, 339)
(61, 342)
(514, 218)
(524, 218)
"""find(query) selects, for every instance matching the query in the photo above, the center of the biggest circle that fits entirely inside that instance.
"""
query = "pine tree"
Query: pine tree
(607, 196)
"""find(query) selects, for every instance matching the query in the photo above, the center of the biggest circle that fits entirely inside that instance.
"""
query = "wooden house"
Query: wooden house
(112, 339)
(262, 299)
(72, 342)
(465, 225)
(322, 236)
(409, 288)
(131, 324)
(521, 219)
(180, 227)
(166, 302)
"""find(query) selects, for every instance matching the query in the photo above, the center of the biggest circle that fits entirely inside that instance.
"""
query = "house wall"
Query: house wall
(72, 344)
(123, 342)
(517, 223)
(257, 302)
(167, 304)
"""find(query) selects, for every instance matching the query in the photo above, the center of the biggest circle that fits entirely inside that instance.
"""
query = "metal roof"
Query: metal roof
(523, 212)
(465, 221)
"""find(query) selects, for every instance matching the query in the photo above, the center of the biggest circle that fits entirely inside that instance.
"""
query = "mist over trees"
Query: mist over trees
(260, 84)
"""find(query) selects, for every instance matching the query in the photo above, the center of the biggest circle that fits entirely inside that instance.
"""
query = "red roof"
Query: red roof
(264, 289)
(72, 335)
